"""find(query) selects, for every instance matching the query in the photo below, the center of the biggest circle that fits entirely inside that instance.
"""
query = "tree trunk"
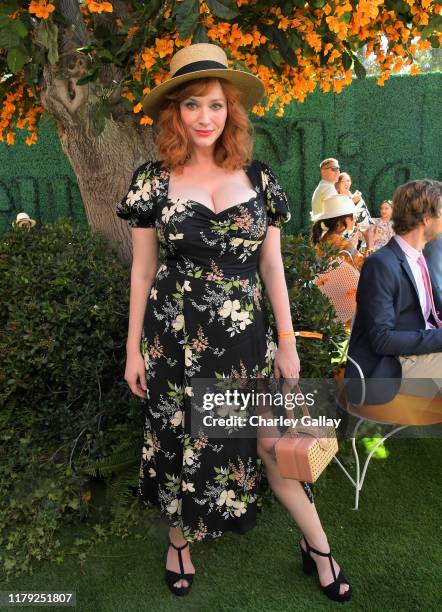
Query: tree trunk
(103, 164)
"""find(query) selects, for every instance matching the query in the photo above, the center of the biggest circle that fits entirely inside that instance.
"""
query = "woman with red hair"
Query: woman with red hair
(200, 315)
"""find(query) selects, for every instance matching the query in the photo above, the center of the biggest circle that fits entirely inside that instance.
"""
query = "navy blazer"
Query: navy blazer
(389, 322)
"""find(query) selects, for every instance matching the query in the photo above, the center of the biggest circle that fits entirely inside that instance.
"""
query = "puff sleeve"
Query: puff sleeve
(275, 197)
(139, 206)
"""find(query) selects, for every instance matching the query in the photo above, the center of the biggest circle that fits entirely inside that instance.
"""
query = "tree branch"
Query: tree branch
(71, 12)
(61, 97)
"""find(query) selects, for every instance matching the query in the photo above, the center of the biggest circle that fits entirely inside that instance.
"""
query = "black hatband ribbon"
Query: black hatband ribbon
(202, 65)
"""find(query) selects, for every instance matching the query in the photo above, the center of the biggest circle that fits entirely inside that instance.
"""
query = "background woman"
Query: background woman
(382, 230)
(363, 221)
(218, 216)
(332, 225)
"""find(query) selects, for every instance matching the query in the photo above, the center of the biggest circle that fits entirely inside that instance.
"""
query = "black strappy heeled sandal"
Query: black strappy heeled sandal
(331, 590)
(172, 577)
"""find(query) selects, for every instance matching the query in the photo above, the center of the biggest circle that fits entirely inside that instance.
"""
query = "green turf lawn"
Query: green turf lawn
(389, 548)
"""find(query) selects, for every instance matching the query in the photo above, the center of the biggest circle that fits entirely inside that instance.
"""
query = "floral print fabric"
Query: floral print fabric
(354, 258)
(204, 319)
(380, 233)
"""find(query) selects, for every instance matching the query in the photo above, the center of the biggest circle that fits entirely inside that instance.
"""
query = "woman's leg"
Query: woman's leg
(292, 495)
(172, 563)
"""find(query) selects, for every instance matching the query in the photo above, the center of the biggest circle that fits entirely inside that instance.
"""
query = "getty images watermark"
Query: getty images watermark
(267, 407)
(245, 401)
(260, 407)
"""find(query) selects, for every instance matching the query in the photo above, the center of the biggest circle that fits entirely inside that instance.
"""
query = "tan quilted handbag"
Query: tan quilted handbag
(304, 453)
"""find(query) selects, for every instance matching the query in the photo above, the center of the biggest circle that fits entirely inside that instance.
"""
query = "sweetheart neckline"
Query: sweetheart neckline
(215, 214)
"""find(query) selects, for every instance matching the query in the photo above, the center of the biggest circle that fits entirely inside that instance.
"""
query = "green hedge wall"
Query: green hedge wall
(383, 136)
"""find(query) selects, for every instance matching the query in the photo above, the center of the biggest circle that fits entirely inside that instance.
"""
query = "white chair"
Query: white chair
(401, 412)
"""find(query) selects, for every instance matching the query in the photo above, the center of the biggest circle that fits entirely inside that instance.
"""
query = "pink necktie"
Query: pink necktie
(428, 289)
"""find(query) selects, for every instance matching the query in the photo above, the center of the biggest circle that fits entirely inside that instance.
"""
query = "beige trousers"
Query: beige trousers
(421, 374)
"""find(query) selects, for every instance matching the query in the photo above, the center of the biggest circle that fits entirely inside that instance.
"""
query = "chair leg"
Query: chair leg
(358, 481)
(358, 486)
(373, 450)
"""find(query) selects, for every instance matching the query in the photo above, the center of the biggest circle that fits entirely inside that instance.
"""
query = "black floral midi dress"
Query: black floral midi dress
(204, 318)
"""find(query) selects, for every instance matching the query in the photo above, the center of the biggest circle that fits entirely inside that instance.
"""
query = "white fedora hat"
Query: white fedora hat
(23, 219)
(337, 206)
(198, 61)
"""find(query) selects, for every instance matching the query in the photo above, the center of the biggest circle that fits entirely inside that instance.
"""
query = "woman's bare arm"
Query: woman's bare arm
(144, 267)
(271, 270)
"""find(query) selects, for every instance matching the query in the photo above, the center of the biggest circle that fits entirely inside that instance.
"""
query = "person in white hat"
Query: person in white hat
(23, 220)
(331, 225)
(217, 213)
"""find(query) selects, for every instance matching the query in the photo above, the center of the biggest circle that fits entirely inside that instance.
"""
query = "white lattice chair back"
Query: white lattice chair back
(339, 285)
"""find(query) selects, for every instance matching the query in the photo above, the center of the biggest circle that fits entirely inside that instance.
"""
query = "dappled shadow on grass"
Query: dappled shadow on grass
(387, 549)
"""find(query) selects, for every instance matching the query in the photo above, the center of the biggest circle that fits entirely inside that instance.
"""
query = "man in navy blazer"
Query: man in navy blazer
(397, 332)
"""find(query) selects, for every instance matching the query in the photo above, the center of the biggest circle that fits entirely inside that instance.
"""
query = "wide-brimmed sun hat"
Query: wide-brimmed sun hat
(203, 60)
(23, 219)
(337, 206)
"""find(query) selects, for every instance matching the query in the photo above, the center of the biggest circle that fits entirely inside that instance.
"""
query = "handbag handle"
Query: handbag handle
(293, 432)
(303, 406)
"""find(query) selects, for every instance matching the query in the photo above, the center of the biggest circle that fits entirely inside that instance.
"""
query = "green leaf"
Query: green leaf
(17, 58)
(86, 49)
(200, 35)
(280, 40)
(19, 27)
(47, 36)
(434, 25)
(434, 42)
(152, 8)
(294, 40)
(264, 57)
(347, 61)
(276, 57)
(8, 563)
(400, 6)
(9, 38)
(105, 54)
(87, 78)
(224, 9)
(187, 16)
(359, 69)
(99, 113)
(8, 6)
(4, 21)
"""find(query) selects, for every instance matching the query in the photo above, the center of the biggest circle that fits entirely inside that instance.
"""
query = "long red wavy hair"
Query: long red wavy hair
(233, 149)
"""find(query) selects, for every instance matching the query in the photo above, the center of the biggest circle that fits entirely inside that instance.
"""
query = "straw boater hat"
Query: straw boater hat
(337, 206)
(198, 61)
(23, 219)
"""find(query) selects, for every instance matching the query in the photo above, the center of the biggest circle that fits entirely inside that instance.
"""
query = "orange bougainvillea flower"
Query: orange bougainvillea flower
(32, 139)
(320, 38)
(164, 47)
(41, 8)
(129, 95)
(149, 58)
(96, 6)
